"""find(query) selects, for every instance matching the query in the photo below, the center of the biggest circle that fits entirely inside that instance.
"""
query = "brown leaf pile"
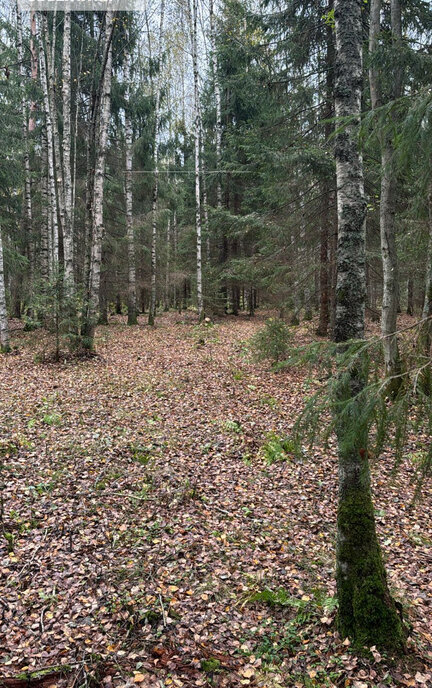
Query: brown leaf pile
(141, 522)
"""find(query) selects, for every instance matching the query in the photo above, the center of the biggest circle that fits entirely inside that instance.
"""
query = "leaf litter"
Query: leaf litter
(146, 540)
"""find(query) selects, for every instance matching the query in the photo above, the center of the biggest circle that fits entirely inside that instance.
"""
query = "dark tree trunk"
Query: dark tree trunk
(367, 613)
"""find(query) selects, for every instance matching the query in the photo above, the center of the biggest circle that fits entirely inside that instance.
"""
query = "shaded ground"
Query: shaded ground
(142, 524)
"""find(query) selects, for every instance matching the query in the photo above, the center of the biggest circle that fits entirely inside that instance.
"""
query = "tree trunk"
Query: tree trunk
(168, 266)
(152, 308)
(200, 302)
(4, 326)
(27, 201)
(130, 235)
(367, 613)
(91, 316)
(388, 194)
(217, 92)
(67, 170)
(51, 164)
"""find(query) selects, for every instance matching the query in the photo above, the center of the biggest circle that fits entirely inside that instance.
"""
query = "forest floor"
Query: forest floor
(142, 524)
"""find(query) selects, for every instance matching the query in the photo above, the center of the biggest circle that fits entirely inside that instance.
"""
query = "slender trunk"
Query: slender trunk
(54, 258)
(168, 266)
(67, 170)
(367, 613)
(27, 203)
(74, 174)
(132, 298)
(200, 302)
(98, 196)
(4, 326)
(324, 275)
(45, 211)
(152, 308)
(388, 193)
(50, 62)
(33, 68)
(410, 296)
(425, 339)
(217, 90)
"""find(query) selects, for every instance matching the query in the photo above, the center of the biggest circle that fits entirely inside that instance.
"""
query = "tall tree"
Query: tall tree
(4, 325)
(200, 299)
(155, 194)
(130, 235)
(66, 147)
(92, 306)
(367, 612)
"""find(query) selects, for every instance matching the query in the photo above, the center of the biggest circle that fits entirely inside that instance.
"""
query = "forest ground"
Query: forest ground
(142, 523)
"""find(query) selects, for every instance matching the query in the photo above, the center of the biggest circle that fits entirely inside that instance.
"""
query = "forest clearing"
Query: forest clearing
(146, 521)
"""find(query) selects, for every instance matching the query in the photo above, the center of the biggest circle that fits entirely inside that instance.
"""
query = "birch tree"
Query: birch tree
(155, 194)
(92, 307)
(4, 325)
(67, 170)
(367, 612)
(388, 187)
(27, 205)
(52, 195)
(200, 301)
(132, 307)
(217, 92)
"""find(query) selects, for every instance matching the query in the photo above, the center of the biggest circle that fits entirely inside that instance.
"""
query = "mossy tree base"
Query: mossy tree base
(367, 613)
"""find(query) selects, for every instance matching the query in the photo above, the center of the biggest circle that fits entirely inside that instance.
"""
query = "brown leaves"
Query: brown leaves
(142, 520)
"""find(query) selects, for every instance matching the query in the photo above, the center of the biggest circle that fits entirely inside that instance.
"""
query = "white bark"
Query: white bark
(27, 210)
(50, 64)
(168, 265)
(388, 190)
(34, 68)
(152, 308)
(351, 205)
(132, 308)
(67, 170)
(200, 302)
(427, 305)
(51, 165)
(98, 193)
(4, 326)
(217, 90)
(45, 211)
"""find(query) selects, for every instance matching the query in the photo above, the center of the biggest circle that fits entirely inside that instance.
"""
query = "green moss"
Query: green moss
(367, 612)
(211, 665)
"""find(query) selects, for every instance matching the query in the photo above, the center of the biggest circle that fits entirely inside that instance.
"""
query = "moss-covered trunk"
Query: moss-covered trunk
(367, 613)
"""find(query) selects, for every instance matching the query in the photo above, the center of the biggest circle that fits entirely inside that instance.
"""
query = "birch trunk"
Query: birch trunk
(367, 613)
(45, 211)
(51, 164)
(98, 195)
(217, 90)
(50, 62)
(152, 307)
(27, 206)
(388, 194)
(200, 303)
(33, 67)
(4, 325)
(132, 305)
(67, 170)
(168, 265)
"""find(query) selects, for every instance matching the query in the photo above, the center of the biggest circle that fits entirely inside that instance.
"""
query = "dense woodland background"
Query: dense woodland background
(138, 145)
(188, 475)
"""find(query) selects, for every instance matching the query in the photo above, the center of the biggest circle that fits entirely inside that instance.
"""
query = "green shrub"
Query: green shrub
(272, 342)
(279, 449)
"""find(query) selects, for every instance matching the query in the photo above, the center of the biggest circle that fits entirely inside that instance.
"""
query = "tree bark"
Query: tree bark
(54, 258)
(217, 91)
(98, 195)
(367, 613)
(152, 308)
(130, 235)
(4, 325)
(67, 170)
(200, 301)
